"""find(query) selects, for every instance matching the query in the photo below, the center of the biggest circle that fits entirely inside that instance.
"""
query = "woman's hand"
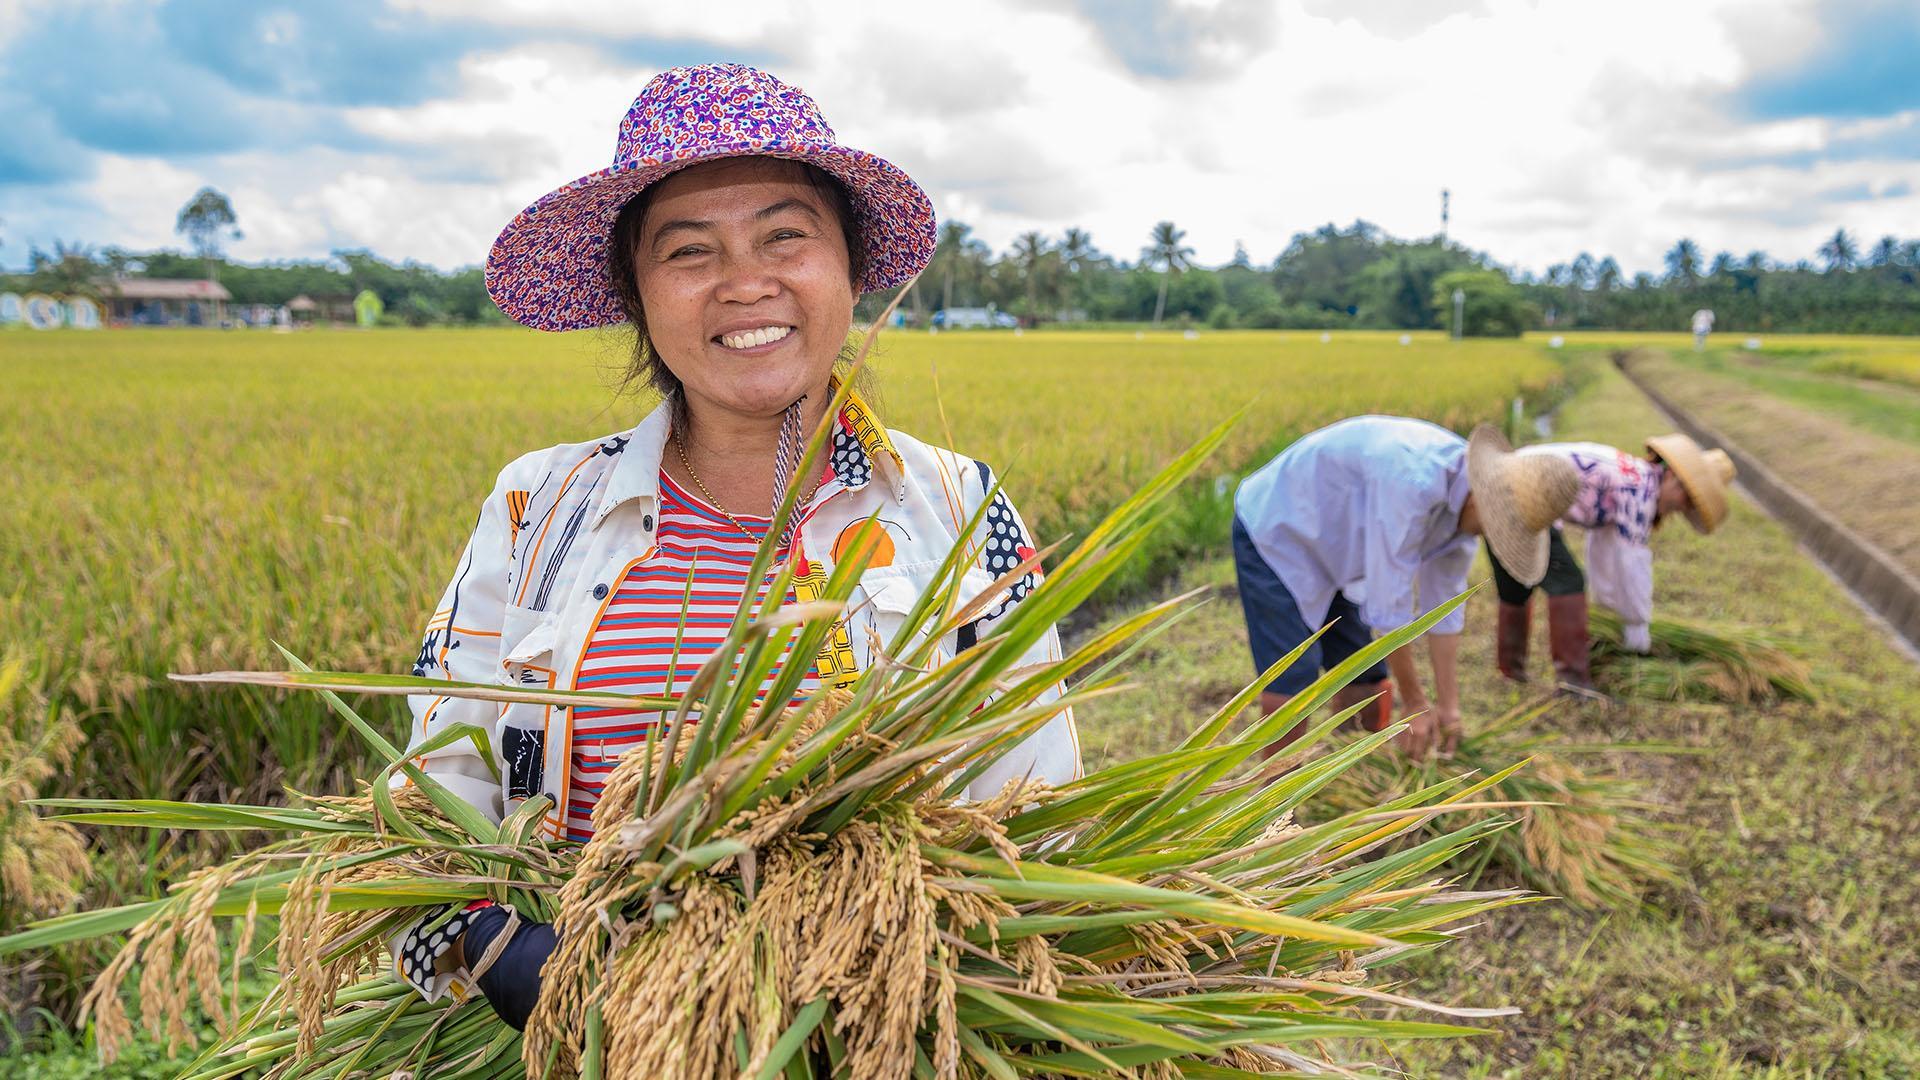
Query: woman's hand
(512, 982)
(1636, 638)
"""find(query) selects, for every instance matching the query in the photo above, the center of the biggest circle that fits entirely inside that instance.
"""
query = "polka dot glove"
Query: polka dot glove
(417, 952)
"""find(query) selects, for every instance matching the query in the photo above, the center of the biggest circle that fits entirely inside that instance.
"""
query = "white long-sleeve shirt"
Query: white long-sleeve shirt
(1618, 503)
(1369, 507)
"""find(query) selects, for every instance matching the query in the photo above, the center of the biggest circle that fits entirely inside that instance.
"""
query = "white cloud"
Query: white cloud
(1558, 125)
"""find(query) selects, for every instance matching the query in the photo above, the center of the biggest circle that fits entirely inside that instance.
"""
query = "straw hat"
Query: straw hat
(1704, 473)
(548, 269)
(1519, 496)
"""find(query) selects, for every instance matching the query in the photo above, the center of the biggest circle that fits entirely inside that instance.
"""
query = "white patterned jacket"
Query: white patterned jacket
(562, 525)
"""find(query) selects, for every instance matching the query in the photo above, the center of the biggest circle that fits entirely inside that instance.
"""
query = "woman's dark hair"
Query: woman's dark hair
(645, 368)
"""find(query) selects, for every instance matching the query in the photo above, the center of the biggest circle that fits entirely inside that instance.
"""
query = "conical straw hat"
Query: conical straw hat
(1704, 473)
(1519, 497)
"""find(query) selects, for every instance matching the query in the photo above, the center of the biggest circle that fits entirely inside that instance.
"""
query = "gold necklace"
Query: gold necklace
(680, 444)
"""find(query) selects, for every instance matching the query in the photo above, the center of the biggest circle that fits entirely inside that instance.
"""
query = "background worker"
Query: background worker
(1368, 524)
(1623, 498)
(1702, 326)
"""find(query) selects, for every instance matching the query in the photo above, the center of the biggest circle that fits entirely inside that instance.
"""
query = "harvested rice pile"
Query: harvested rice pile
(801, 892)
(1699, 661)
(1579, 832)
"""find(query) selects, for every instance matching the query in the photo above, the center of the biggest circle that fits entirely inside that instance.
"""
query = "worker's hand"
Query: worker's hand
(1636, 638)
(512, 982)
(1446, 724)
(1417, 740)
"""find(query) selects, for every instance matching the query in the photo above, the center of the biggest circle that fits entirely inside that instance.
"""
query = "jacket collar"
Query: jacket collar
(870, 443)
(637, 474)
(861, 450)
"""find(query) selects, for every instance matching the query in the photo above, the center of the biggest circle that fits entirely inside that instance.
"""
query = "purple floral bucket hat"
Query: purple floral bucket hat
(548, 269)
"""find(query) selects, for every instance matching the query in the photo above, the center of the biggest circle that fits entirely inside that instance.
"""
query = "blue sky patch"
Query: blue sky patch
(179, 80)
(343, 52)
(1867, 66)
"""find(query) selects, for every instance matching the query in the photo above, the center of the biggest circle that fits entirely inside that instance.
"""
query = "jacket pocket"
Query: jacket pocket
(526, 660)
(888, 596)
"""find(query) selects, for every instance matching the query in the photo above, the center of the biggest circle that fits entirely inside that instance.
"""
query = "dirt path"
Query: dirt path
(1869, 482)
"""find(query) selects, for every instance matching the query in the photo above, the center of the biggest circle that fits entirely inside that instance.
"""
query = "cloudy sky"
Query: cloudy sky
(416, 128)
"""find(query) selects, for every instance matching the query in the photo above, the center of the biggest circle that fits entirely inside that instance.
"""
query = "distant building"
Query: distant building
(165, 302)
(331, 308)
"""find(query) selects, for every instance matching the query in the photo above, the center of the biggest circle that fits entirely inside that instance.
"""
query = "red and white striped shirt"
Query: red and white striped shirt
(637, 644)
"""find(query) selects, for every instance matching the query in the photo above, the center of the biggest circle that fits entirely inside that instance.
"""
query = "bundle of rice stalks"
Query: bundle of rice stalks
(799, 892)
(43, 863)
(1699, 661)
(1576, 833)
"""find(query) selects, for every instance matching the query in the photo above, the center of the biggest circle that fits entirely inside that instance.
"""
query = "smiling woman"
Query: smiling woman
(771, 240)
(733, 235)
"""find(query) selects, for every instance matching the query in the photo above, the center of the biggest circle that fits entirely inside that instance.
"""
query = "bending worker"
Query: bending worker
(1623, 498)
(1368, 524)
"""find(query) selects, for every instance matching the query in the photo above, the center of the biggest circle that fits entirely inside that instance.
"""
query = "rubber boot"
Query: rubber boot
(1375, 717)
(1510, 639)
(1567, 632)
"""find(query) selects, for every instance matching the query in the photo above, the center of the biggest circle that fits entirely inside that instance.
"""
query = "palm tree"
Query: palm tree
(1581, 271)
(1840, 252)
(1683, 263)
(957, 254)
(1077, 257)
(1030, 250)
(71, 270)
(1076, 250)
(1756, 261)
(1170, 255)
(1722, 265)
(1607, 277)
(1886, 252)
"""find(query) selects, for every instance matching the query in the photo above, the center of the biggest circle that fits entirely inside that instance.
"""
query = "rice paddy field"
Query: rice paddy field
(183, 499)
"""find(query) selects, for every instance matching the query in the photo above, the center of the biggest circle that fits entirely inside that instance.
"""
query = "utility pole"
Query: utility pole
(1459, 312)
(1446, 197)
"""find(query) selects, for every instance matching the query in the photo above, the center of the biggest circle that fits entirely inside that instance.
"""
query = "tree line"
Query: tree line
(1353, 277)
(1359, 277)
(1843, 288)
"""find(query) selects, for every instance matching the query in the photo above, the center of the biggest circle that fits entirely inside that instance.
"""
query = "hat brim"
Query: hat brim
(1706, 493)
(548, 267)
(1522, 551)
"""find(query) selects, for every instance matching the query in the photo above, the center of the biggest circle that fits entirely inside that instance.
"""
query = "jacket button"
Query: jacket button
(647, 522)
(599, 592)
